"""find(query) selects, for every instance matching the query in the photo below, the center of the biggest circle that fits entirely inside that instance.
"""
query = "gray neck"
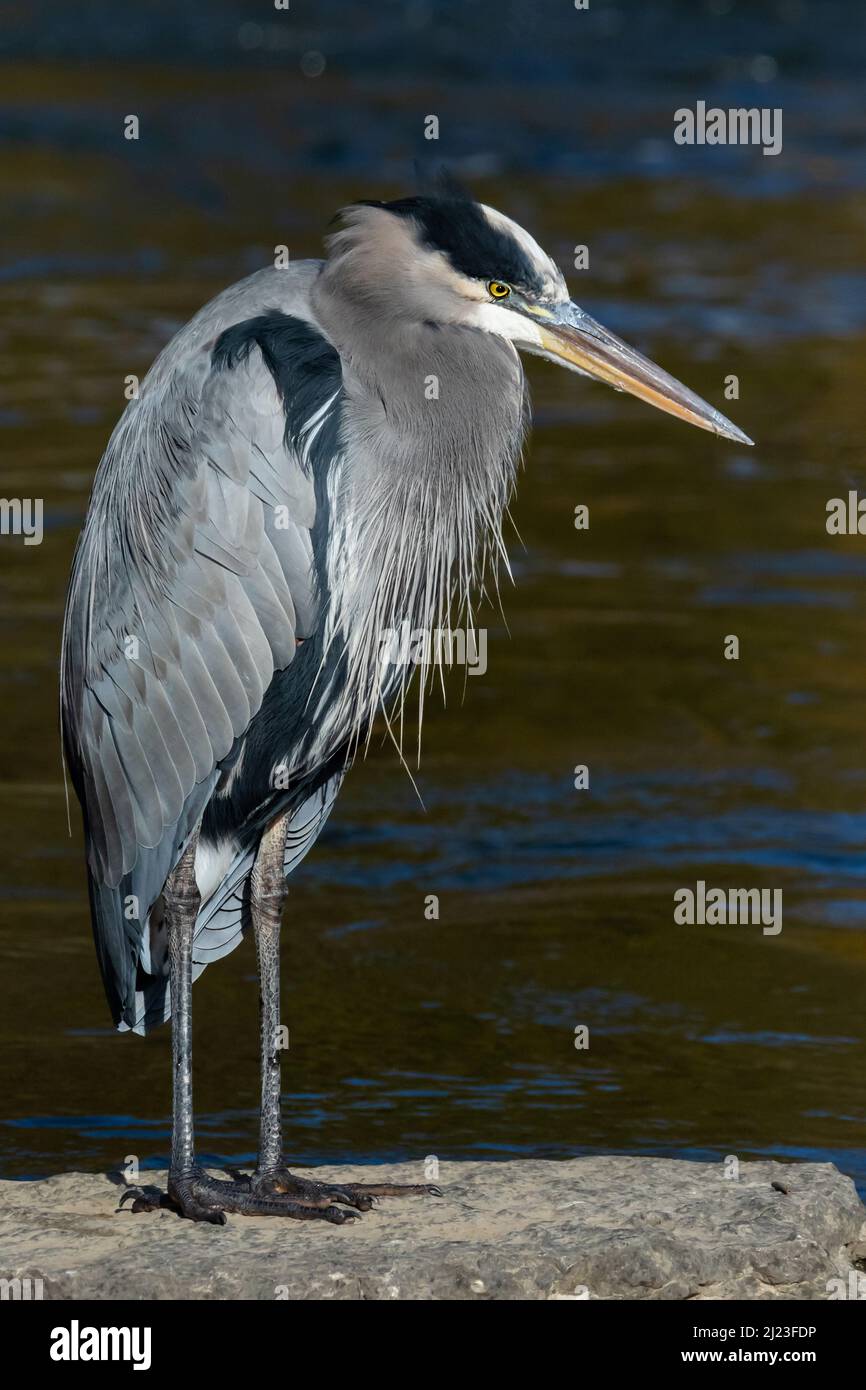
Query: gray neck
(432, 432)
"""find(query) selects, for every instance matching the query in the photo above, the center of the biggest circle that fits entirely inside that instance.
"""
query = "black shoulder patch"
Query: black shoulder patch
(306, 369)
(308, 374)
(458, 227)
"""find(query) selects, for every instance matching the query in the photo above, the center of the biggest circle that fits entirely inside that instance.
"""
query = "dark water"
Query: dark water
(455, 1036)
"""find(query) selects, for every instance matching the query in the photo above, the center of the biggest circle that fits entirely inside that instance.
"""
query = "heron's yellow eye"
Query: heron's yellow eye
(498, 289)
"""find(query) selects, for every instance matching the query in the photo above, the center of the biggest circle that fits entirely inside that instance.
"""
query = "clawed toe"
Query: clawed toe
(389, 1189)
(338, 1216)
(361, 1196)
(282, 1183)
(141, 1200)
(351, 1197)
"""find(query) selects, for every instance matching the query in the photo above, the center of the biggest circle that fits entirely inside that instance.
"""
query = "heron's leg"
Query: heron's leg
(272, 1176)
(182, 901)
(267, 895)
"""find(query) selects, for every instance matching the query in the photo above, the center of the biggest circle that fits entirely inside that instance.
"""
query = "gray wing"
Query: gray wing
(192, 583)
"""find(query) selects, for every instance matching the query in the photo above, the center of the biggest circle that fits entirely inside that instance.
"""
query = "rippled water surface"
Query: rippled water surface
(455, 1036)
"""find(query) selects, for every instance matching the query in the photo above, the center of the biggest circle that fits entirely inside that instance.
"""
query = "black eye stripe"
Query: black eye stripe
(474, 246)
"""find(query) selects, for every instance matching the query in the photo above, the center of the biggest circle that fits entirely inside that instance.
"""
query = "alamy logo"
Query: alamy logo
(712, 907)
(421, 646)
(22, 516)
(855, 1288)
(22, 1290)
(846, 516)
(77, 1343)
(738, 126)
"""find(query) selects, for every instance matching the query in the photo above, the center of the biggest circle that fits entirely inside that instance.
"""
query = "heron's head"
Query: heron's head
(450, 260)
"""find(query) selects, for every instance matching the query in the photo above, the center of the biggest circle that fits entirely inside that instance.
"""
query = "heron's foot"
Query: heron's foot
(359, 1195)
(199, 1197)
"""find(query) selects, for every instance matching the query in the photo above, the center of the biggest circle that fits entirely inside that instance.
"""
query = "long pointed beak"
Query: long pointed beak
(570, 336)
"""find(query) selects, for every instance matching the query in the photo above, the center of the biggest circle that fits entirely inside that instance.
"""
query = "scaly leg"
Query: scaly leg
(268, 892)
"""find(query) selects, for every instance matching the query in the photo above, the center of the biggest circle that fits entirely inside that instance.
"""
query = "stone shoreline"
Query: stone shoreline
(600, 1228)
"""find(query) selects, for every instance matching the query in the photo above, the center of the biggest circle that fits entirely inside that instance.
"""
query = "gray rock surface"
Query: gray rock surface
(609, 1228)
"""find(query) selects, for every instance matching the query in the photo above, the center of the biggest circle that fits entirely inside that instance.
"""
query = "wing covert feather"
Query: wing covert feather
(185, 601)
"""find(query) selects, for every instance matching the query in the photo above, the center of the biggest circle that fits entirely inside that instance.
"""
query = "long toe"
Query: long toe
(278, 1205)
(388, 1189)
(359, 1195)
(314, 1194)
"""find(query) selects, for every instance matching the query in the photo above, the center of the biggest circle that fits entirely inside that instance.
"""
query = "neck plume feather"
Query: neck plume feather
(418, 500)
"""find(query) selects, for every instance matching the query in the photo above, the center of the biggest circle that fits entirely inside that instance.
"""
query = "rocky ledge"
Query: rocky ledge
(609, 1228)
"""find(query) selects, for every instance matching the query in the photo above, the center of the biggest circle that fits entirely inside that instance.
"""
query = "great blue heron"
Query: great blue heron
(323, 454)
